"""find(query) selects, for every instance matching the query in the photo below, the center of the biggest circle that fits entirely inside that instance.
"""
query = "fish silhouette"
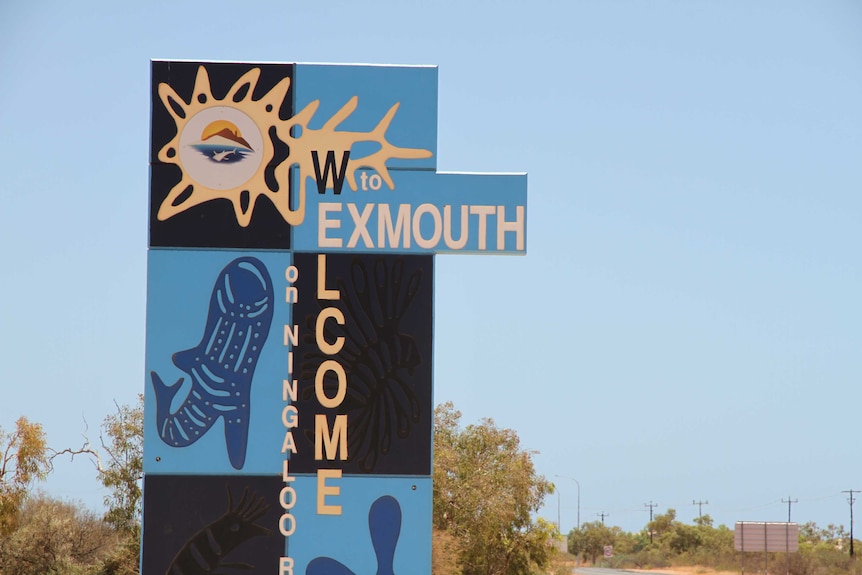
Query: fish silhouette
(221, 366)
(219, 156)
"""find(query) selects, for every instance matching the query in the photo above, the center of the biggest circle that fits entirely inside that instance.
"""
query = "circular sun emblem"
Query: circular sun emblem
(221, 148)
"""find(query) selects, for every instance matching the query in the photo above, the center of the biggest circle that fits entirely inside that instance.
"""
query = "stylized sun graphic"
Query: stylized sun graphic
(198, 185)
(243, 183)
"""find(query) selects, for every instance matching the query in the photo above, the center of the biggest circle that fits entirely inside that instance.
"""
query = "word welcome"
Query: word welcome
(330, 441)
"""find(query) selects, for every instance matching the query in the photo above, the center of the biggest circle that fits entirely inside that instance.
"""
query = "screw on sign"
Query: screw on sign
(608, 551)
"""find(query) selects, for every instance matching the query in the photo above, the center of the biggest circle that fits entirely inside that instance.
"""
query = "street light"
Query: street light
(579, 499)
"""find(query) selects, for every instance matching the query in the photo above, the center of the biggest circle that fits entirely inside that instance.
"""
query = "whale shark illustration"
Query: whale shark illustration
(221, 366)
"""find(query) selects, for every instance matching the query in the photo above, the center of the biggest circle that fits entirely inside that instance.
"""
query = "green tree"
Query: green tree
(663, 524)
(120, 469)
(591, 539)
(121, 473)
(486, 491)
(445, 552)
(684, 538)
(120, 464)
(55, 537)
(24, 460)
(715, 541)
(123, 470)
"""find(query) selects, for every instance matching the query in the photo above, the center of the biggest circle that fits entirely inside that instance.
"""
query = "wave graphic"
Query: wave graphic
(223, 154)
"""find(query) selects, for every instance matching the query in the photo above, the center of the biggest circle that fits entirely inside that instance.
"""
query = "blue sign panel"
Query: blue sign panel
(384, 526)
(295, 211)
(214, 361)
(385, 116)
(425, 212)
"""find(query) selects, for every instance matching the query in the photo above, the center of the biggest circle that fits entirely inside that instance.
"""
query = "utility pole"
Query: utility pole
(852, 500)
(789, 502)
(603, 515)
(700, 505)
(651, 505)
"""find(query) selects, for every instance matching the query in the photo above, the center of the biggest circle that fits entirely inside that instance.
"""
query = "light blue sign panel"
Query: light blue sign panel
(384, 527)
(365, 96)
(214, 362)
(427, 212)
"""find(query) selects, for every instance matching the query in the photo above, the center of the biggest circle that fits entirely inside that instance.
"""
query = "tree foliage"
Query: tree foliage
(486, 491)
(24, 460)
(822, 551)
(124, 468)
(591, 539)
(444, 553)
(119, 464)
(55, 537)
(663, 524)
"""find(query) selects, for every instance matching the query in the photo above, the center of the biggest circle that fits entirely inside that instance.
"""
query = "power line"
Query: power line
(789, 502)
(761, 506)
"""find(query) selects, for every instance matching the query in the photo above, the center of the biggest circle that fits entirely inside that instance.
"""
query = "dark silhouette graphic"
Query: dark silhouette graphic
(384, 524)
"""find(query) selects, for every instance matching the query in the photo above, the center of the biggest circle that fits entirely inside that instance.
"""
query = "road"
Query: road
(602, 571)
(599, 571)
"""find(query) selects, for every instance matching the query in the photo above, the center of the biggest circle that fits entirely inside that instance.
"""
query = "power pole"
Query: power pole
(603, 515)
(700, 505)
(789, 502)
(852, 500)
(651, 505)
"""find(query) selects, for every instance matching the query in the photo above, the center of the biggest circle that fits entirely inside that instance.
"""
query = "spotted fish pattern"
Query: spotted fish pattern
(221, 366)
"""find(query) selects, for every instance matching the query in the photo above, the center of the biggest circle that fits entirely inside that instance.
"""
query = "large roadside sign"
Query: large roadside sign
(295, 212)
(763, 536)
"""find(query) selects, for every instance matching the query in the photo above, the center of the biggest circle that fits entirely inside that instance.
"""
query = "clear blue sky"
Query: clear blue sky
(687, 323)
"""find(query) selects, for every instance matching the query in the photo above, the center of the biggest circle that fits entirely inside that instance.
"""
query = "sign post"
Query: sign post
(295, 212)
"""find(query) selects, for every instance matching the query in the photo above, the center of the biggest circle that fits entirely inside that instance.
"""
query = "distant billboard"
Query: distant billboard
(751, 536)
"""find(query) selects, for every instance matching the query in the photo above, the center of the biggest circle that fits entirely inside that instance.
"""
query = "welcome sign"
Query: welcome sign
(295, 211)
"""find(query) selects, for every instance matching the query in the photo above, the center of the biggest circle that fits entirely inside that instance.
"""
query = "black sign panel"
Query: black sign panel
(214, 150)
(364, 353)
(210, 524)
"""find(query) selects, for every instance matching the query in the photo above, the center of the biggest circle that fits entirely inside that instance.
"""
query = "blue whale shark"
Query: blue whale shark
(221, 366)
